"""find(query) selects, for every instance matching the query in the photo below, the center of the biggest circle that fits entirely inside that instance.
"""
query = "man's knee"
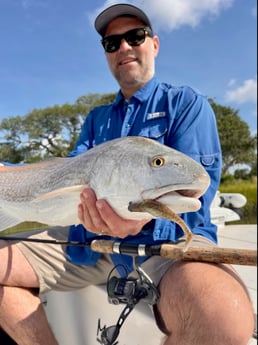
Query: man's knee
(205, 300)
(15, 270)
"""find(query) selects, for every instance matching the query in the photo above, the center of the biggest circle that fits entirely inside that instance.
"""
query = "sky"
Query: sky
(51, 54)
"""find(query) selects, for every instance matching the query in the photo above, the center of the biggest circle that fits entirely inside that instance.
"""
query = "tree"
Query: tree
(52, 131)
(11, 148)
(10, 154)
(94, 99)
(44, 132)
(243, 174)
(238, 146)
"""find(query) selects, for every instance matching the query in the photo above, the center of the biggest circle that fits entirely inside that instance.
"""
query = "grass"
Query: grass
(249, 190)
(26, 226)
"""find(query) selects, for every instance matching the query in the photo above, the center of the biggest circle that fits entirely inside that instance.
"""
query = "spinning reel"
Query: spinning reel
(129, 291)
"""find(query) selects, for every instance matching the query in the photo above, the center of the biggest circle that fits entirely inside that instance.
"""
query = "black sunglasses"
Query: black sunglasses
(133, 37)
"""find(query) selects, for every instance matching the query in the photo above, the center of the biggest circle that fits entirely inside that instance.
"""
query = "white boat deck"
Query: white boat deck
(80, 310)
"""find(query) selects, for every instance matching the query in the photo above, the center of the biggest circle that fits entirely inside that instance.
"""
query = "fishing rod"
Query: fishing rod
(39, 240)
(211, 254)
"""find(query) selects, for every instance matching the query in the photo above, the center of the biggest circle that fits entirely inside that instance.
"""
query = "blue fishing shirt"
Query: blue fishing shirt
(178, 117)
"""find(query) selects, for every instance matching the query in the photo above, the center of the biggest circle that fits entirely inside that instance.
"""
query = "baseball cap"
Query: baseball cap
(118, 10)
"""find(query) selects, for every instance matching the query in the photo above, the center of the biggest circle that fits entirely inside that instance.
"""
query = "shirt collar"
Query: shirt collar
(141, 95)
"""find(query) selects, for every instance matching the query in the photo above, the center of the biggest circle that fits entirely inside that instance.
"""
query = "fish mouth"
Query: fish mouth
(179, 199)
(188, 193)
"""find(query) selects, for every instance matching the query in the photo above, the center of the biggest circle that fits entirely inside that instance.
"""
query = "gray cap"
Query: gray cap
(118, 10)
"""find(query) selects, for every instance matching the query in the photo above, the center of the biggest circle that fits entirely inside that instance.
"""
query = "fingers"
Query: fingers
(98, 216)
(88, 212)
(118, 226)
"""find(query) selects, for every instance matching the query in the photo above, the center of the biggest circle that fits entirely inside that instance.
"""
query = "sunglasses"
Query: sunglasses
(133, 37)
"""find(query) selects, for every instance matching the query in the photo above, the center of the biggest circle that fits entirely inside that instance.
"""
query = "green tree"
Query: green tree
(11, 148)
(95, 99)
(242, 174)
(253, 171)
(11, 130)
(10, 154)
(253, 165)
(238, 146)
(43, 132)
(52, 131)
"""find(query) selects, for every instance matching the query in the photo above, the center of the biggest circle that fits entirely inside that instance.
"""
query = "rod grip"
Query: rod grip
(210, 254)
(102, 246)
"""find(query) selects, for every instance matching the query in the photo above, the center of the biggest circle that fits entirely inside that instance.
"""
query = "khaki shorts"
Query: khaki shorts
(55, 272)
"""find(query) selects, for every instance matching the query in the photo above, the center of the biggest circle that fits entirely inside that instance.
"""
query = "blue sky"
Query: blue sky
(50, 53)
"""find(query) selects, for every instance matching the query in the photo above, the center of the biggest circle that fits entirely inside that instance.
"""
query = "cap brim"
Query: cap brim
(118, 10)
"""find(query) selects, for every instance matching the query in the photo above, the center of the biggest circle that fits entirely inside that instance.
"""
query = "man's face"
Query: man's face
(132, 66)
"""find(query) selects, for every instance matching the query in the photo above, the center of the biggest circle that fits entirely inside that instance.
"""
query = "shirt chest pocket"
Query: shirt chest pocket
(154, 129)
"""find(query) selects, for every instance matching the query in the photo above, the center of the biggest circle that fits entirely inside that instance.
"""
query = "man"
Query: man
(199, 303)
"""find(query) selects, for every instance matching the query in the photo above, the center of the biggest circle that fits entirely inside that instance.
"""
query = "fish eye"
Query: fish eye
(158, 162)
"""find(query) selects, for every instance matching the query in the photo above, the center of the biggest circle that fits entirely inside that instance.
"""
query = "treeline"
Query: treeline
(53, 131)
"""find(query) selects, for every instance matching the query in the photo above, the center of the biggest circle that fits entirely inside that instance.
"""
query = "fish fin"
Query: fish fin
(60, 191)
(7, 221)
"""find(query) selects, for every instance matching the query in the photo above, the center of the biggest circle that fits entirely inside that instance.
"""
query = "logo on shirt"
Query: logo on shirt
(152, 116)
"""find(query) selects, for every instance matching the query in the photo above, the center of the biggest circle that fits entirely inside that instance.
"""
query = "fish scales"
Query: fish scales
(32, 180)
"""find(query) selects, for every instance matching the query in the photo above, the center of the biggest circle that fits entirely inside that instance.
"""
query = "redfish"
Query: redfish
(122, 171)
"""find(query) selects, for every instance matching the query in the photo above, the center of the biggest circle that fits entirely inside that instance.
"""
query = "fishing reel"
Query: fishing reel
(129, 291)
(126, 290)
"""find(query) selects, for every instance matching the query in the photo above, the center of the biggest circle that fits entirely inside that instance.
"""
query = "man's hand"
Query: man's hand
(98, 216)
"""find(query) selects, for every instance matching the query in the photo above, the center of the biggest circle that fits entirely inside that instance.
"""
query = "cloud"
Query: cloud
(247, 92)
(172, 14)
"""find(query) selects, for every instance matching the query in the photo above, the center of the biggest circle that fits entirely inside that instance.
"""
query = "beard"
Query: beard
(134, 77)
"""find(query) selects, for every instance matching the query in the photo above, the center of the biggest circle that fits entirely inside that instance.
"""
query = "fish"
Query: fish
(123, 171)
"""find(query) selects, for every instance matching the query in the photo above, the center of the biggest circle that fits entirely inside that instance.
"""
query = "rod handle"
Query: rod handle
(210, 254)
